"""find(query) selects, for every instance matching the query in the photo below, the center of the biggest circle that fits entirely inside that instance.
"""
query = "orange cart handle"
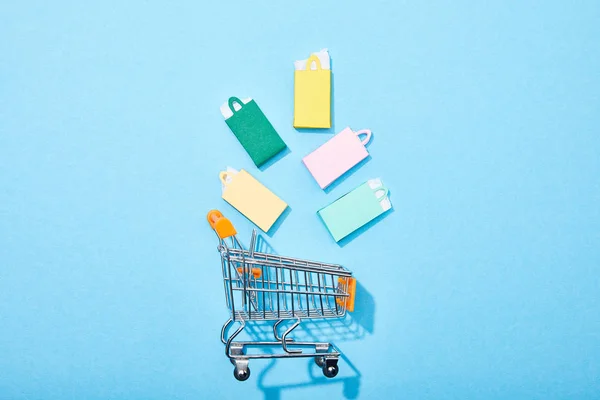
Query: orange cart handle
(256, 272)
(220, 224)
(348, 302)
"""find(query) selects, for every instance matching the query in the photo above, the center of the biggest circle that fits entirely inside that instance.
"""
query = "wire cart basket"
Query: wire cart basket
(266, 287)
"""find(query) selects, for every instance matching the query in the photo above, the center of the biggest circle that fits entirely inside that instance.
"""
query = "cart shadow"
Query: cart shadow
(351, 384)
(364, 308)
(354, 326)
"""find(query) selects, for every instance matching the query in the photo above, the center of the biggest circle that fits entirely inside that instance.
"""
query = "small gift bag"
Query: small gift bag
(355, 209)
(337, 156)
(251, 198)
(312, 91)
(252, 129)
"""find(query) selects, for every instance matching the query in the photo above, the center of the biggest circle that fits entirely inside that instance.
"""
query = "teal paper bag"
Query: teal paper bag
(355, 209)
(252, 129)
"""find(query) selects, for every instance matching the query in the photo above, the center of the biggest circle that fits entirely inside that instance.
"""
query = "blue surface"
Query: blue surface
(483, 283)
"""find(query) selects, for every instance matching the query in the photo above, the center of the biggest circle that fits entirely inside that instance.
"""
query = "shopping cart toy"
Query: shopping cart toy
(266, 287)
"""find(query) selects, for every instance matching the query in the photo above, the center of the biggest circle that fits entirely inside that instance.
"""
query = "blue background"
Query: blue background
(483, 282)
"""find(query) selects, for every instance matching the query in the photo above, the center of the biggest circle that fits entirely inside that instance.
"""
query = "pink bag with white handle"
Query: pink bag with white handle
(338, 155)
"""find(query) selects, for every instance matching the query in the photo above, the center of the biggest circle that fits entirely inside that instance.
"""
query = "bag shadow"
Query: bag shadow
(274, 159)
(275, 227)
(346, 175)
(351, 237)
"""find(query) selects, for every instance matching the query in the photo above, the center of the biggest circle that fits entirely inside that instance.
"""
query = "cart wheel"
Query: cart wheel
(320, 361)
(330, 371)
(242, 374)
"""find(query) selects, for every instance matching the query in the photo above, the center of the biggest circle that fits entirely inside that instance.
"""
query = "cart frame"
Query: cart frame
(265, 287)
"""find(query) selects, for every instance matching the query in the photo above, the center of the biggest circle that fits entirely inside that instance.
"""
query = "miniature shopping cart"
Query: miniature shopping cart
(266, 287)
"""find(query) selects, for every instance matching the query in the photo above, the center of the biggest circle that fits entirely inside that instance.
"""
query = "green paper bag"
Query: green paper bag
(355, 209)
(252, 129)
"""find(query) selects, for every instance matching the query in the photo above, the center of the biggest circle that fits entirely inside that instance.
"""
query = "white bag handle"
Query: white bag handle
(364, 132)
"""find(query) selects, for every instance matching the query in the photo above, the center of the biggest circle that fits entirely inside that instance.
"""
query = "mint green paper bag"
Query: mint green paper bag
(355, 209)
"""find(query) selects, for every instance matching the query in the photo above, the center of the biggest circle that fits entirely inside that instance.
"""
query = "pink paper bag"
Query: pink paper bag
(337, 155)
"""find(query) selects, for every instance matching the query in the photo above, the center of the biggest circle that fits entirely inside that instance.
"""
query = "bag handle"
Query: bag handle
(378, 189)
(221, 225)
(364, 132)
(223, 177)
(232, 100)
(310, 61)
(381, 189)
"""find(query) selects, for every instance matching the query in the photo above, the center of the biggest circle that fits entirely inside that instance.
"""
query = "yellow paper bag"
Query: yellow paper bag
(251, 198)
(312, 96)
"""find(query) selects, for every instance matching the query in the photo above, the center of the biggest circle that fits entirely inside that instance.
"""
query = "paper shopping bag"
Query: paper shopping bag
(251, 198)
(337, 156)
(355, 209)
(252, 129)
(312, 92)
